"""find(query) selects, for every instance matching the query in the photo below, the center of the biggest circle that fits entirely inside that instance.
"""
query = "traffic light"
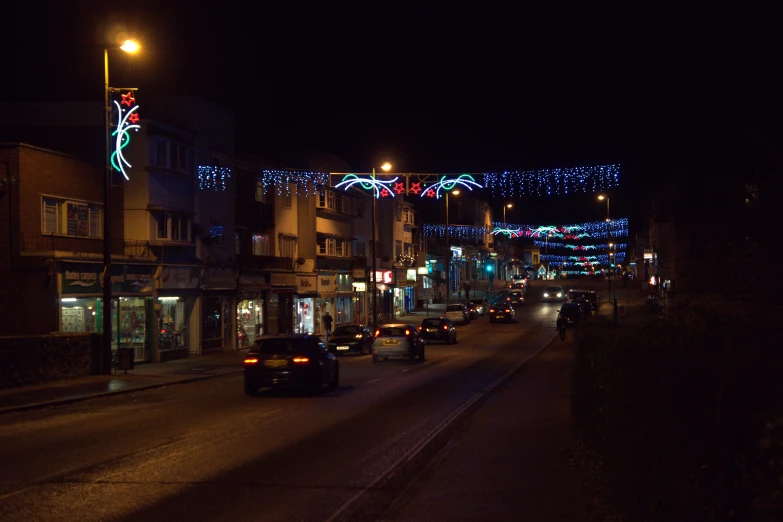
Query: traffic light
(489, 268)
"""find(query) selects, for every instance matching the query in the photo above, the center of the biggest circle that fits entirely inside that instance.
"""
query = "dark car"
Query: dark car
(438, 329)
(572, 311)
(290, 361)
(472, 310)
(588, 295)
(481, 304)
(515, 297)
(350, 338)
(501, 312)
(397, 340)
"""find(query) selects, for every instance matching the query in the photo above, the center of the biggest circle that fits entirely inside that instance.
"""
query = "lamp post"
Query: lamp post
(386, 167)
(546, 246)
(129, 47)
(602, 197)
(448, 248)
(505, 239)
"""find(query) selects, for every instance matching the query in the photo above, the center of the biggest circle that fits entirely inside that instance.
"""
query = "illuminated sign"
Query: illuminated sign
(383, 276)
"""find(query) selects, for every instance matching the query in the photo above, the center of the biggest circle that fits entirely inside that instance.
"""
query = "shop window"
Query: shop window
(71, 218)
(172, 329)
(212, 323)
(250, 321)
(262, 246)
(82, 315)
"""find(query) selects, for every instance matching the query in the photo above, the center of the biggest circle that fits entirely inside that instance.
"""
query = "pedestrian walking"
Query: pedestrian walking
(562, 324)
(327, 319)
(467, 291)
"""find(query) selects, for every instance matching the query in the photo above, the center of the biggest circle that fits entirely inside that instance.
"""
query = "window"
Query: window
(162, 154)
(287, 246)
(327, 246)
(535, 259)
(286, 197)
(397, 249)
(346, 249)
(262, 246)
(174, 225)
(261, 195)
(71, 218)
(330, 199)
(339, 249)
(407, 216)
(178, 157)
(360, 248)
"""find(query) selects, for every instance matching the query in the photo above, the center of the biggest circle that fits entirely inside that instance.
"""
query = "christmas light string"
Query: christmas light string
(455, 231)
(381, 188)
(127, 119)
(212, 177)
(305, 182)
(549, 182)
(447, 184)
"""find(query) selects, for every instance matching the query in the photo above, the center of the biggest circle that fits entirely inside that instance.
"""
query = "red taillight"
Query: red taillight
(419, 327)
(491, 310)
(251, 360)
(377, 333)
(445, 327)
(301, 360)
(407, 332)
(507, 310)
(163, 331)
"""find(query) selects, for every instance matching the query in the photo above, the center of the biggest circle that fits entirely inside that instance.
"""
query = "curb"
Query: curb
(71, 400)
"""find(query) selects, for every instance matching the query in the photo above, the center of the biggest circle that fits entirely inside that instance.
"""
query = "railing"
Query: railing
(51, 243)
(251, 262)
(138, 248)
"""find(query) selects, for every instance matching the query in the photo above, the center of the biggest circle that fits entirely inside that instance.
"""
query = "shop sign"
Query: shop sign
(173, 277)
(411, 275)
(359, 287)
(82, 278)
(219, 277)
(306, 284)
(359, 273)
(400, 276)
(383, 276)
(326, 285)
(278, 279)
(423, 270)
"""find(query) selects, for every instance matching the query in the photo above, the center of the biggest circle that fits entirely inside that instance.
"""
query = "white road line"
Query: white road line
(373, 380)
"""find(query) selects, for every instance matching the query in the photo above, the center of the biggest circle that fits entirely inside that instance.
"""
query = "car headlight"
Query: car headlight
(358, 336)
(559, 295)
(547, 295)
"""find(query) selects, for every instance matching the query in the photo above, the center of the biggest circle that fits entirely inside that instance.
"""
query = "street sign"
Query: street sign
(427, 293)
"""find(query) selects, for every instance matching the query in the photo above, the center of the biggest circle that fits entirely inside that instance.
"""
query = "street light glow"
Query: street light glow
(130, 46)
(509, 205)
(455, 192)
(601, 197)
(386, 167)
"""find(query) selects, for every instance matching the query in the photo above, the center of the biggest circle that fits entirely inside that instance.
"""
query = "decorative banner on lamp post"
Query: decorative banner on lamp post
(127, 120)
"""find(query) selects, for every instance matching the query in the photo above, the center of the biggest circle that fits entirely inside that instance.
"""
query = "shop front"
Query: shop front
(359, 296)
(253, 294)
(82, 308)
(178, 290)
(304, 303)
(218, 309)
(326, 301)
(344, 301)
(280, 304)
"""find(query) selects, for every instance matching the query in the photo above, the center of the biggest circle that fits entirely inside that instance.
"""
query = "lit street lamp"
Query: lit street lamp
(505, 239)
(546, 246)
(129, 46)
(386, 167)
(448, 247)
(602, 197)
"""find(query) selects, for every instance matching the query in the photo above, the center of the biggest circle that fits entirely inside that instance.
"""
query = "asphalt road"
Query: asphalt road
(205, 451)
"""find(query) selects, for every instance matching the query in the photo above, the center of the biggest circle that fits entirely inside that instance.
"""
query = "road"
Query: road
(205, 451)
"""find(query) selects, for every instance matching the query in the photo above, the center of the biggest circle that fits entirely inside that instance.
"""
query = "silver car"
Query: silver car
(397, 340)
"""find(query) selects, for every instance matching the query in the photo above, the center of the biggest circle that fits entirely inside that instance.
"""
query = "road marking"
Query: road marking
(373, 380)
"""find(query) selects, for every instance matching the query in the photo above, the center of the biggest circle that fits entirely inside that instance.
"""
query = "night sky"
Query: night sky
(433, 90)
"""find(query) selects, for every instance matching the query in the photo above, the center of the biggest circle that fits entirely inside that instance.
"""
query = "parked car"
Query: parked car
(572, 311)
(501, 312)
(458, 313)
(397, 340)
(472, 310)
(291, 360)
(350, 338)
(481, 304)
(438, 329)
(515, 297)
(553, 293)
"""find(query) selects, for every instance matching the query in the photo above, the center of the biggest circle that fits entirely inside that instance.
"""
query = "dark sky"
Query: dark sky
(440, 90)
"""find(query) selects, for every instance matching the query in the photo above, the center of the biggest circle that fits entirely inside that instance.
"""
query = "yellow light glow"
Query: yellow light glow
(455, 192)
(601, 197)
(510, 205)
(130, 46)
(386, 167)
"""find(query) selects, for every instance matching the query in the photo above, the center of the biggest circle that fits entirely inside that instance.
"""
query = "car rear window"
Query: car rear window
(454, 308)
(431, 322)
(283, 346)
(348, 330)
(393, 332)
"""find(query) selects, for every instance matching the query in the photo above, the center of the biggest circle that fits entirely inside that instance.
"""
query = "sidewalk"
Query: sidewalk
(144, 376)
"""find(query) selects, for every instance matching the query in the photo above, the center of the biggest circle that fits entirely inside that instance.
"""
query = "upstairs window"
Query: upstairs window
(262, 246)
(71, 218)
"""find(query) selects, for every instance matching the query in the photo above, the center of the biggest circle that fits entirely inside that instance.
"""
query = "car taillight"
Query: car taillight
(251, 360)
(445, 327)
(407, 332)
(419, 327)
(508, 310)
(301, 360)
(491, 309)
(377, 333)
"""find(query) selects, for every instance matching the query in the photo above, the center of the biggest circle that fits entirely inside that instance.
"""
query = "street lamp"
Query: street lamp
(546, 246)
(386, 167)
(505, 239)
(129, 46)
(602, 197)
(448, 248)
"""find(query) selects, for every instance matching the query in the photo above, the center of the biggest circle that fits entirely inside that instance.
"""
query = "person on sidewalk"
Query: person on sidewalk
(467, 291)
(327, 319)
(562, 325)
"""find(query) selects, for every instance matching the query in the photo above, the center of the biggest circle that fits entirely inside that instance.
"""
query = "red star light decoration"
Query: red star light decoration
(384, 193)
(399, 188)
(430, 193)
(416, 188)
(128, 99)
(133, 118)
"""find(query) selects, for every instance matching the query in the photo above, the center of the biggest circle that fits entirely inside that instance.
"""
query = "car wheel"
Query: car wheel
(251, 390)
(335, 382)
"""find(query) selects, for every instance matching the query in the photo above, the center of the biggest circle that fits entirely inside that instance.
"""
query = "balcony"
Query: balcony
(334, 263)
(51, 245)
(274, 263)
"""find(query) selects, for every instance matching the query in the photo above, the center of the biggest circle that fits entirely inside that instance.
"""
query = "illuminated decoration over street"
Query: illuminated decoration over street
(381, 188)
(569, 246)
(550, 182)
(215, 178)
(447, 184)
(455, 231)
(127, 120)
(593, 229)
(618, 257)
(305, 183)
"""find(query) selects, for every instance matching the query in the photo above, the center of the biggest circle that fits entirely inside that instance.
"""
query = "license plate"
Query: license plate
(275, 363)
(432, 329)
(342, 347)
(500, 317)
(391, 342)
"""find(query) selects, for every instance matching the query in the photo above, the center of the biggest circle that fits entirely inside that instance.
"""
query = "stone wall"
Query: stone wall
(34, 359)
